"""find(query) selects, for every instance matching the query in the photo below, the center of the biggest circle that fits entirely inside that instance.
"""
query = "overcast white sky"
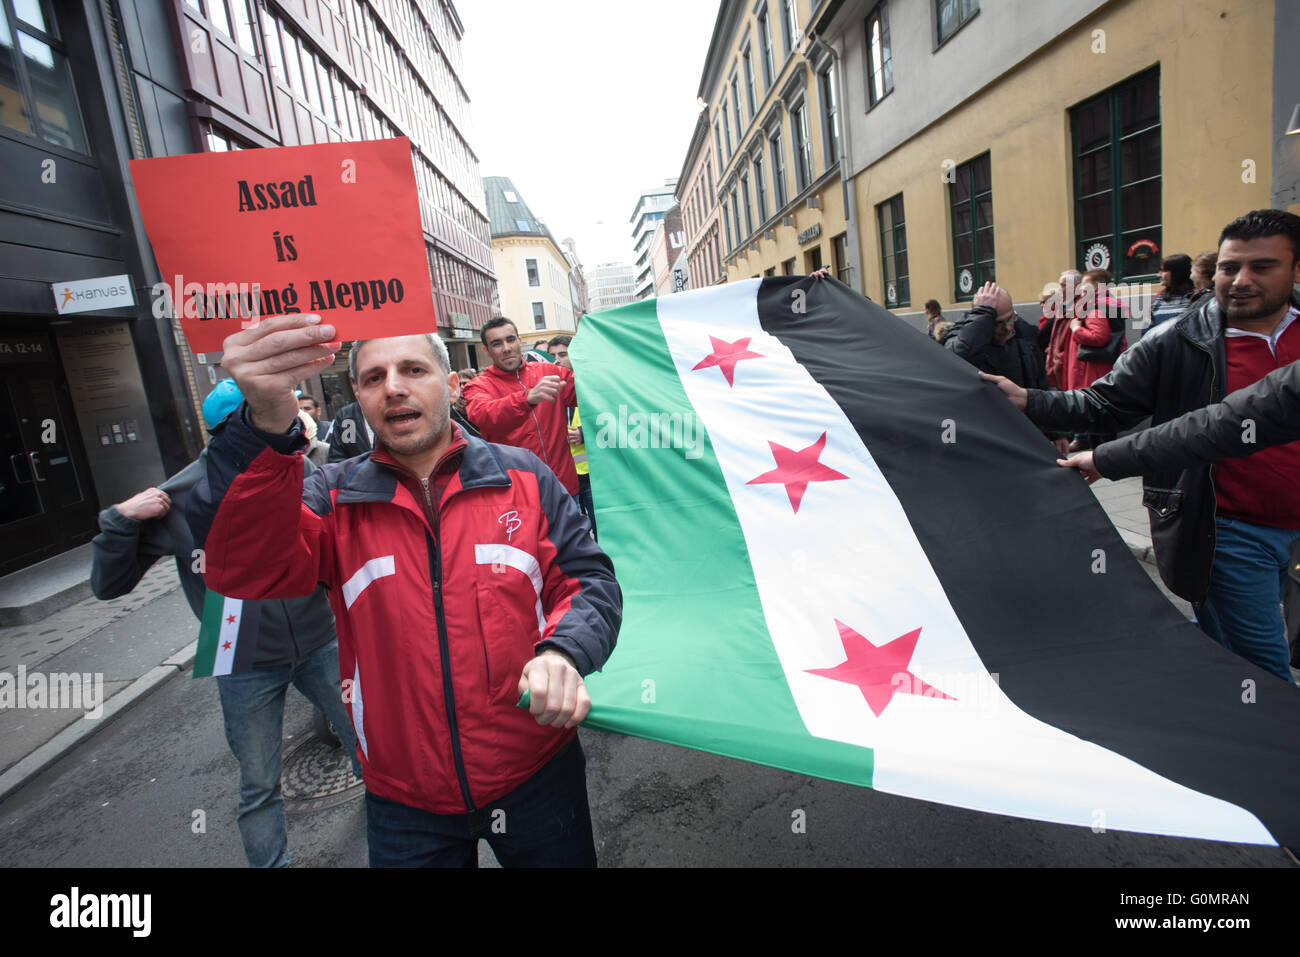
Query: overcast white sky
(584, 104)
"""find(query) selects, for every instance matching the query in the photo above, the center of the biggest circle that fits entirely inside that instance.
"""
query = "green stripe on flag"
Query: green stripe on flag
(209, 633)
(694, 665)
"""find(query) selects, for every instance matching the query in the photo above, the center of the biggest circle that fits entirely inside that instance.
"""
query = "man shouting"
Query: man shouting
(461, 577)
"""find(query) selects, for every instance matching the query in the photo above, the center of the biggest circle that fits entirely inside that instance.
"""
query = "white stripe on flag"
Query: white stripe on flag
(224, 660)
(517, 558)
(979, 751)
(371, 570)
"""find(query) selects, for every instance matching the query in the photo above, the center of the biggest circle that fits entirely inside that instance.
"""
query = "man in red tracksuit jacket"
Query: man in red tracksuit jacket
(524, 404)
(461, 575)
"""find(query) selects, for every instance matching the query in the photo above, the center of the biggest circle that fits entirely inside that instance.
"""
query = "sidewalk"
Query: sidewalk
(108, 653)
(1122, 501)
(138, 641)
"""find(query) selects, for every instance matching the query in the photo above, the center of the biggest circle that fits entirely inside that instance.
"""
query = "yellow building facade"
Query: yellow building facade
(1101, 135)
(772, 117)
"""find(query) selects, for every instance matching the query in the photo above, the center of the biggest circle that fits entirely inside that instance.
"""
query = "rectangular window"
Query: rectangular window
(893, 252)
(726, 221)
(726, 133)
(971, 199)
(840, 249)
(244, 26)
(952, 15)
(880, 61)
(744, 196)
(217, 16)
(271, 42)
(735, 217)
(760, 190)
(778, 169)
(1117, 179)
(309, 76)
(717, 140)
(802, 148)
(539, 315)
(765, 47)
(37, 96)
(787, 267)
(735, 106)
(749, 81)
(533, 278)
(789, 25)
(830, 116)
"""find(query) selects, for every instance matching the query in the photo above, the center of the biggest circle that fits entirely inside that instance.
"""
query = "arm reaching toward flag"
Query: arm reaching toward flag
(1019, 397)
(1264, 414)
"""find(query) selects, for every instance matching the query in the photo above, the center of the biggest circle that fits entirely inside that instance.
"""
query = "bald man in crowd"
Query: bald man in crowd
(992, 338)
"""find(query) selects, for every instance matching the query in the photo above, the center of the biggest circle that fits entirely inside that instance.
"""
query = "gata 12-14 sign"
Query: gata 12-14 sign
(332, 229)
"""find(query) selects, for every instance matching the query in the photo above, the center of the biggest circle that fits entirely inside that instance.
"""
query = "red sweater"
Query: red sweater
(1095, 331)
(1261, 488)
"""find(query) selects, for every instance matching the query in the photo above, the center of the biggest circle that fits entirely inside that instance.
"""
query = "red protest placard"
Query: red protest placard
(332, 229)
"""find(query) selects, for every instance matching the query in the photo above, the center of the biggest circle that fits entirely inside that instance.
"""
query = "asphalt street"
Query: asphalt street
(128, 797)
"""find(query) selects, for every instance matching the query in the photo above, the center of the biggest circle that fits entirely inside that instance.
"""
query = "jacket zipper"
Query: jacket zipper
(532, 413)
(435, 576)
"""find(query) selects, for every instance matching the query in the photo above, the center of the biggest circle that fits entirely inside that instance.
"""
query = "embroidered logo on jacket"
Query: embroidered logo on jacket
(511, 521)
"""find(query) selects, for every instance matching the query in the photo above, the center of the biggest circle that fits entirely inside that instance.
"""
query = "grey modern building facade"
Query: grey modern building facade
(97, 404)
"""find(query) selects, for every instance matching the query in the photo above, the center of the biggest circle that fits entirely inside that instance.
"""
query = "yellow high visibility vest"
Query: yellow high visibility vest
(579, 451)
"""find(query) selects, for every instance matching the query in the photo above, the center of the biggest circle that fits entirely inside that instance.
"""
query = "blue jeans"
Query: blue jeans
(1242, 611)
(252, 704)
(545, 822)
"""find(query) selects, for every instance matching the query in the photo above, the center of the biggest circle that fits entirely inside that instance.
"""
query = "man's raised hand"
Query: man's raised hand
(547, 388)
(987, 295)
(267, 360)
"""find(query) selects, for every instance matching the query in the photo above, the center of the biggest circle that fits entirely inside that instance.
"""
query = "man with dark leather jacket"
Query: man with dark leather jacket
(1218, 531)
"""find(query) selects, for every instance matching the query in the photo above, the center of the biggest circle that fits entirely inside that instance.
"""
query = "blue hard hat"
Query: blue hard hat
(221, 401)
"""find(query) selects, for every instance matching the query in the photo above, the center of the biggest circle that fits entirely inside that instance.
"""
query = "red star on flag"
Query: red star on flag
(225, 645)
(879, 672)
(795, 470)
(230, 619)
(725, 355)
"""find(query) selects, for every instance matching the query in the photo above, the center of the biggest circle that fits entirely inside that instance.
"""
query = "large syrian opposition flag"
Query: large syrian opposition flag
(843, 554)
(227, 636)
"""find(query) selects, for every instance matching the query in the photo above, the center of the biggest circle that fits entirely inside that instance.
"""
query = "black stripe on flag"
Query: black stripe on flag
(1012, 537)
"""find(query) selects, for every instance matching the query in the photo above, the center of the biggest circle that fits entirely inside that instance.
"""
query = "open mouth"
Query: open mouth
(401, 416)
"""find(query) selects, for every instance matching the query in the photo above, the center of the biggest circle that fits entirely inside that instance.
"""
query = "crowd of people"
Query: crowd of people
(454, 515)
(1219, 482)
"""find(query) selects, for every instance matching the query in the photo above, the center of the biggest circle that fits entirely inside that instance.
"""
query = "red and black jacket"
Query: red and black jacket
(497, 403)
(439, 603)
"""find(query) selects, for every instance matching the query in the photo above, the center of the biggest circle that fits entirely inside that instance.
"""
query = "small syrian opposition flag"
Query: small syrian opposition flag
(843, 554)
(227, 636)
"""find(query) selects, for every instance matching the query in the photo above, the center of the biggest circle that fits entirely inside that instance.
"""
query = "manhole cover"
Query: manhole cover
(317, 776)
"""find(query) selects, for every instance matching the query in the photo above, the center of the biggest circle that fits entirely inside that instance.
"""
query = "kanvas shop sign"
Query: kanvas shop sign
(332, 229)
(84, 295)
